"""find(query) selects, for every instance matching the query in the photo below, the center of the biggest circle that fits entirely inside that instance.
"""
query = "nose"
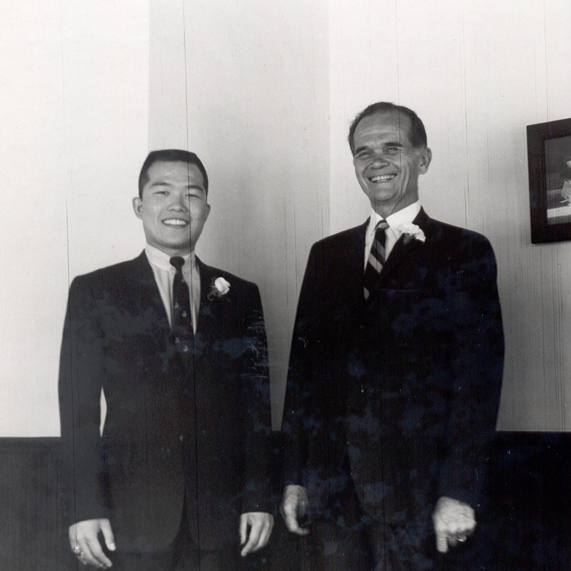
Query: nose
(378, 161)
(179, 202)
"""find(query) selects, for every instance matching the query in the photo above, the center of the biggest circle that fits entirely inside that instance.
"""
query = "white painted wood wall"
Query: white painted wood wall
(264, 92)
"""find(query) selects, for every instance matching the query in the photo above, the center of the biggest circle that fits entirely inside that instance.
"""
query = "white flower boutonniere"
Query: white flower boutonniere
(411, 231)
(220, 287)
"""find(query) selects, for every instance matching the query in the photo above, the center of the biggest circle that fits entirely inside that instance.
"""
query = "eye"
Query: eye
(392, 150)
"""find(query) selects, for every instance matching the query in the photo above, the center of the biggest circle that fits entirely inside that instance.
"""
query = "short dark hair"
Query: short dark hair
(170, 156)
(417, 134)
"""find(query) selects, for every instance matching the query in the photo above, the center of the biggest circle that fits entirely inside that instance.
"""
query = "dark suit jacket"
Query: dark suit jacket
(397, 395)
(168, 436)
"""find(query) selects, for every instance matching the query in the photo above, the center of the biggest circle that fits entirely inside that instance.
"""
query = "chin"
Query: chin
(384, 197)
(180, 249)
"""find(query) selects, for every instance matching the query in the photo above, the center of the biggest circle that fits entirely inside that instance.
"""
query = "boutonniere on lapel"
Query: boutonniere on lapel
(218, 289)
(411, 232)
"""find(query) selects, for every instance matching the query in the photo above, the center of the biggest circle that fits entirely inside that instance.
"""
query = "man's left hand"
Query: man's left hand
(453, 522)
(260, 525)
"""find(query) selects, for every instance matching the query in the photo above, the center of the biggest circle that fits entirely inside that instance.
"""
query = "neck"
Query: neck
(172, 252)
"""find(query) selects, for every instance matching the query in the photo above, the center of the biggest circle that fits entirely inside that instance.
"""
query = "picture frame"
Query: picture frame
(549, 165)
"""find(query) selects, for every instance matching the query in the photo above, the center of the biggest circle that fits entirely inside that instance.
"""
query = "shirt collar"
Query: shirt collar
(404, 216)
(161, 260)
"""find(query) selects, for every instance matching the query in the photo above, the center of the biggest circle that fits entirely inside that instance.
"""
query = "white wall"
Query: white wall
(73, 132)
(245, 85)
(477, 72)
(264, 92)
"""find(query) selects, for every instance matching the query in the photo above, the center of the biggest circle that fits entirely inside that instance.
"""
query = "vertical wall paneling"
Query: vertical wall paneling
(248, 91)
(477, 72)
(267, 98)
(265, 93)
(73, 118)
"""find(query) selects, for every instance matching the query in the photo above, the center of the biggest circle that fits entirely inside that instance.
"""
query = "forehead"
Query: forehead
(388, 126)
(174, 172)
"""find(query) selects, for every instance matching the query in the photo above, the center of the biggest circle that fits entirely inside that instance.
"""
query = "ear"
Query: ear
(137, 207)
(425, 159)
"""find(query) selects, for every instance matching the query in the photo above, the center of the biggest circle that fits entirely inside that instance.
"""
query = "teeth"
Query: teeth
(175, 222)
(382, 178)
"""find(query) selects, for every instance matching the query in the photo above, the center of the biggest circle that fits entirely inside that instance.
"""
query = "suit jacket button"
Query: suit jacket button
(185, 349)
(176, 340)
(181, 438)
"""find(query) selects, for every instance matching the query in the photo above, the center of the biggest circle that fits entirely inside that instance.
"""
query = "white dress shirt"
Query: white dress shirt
(392, 233)
(164, 275)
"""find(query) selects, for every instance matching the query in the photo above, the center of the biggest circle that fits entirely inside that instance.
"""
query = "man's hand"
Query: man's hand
(453, 522)
(261, 525)
(294, 506)
(85, 543)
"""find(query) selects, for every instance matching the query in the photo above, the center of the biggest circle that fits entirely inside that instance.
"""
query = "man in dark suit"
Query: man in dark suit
(178, 478)
(395, 372)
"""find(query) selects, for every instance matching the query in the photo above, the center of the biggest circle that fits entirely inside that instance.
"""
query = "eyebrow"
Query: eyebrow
(387, 144)
(188, 187)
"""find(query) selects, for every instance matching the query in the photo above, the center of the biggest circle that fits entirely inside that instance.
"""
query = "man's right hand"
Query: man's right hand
(84, 541)
(294, 505)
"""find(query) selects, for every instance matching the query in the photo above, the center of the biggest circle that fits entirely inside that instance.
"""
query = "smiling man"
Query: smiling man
(395, 374)
(179, 477)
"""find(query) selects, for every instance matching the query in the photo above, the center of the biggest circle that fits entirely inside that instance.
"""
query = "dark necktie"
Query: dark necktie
(182, 314)
(376, 258)
(183, 362)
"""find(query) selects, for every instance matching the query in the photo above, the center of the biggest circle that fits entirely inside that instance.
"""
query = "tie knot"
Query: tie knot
(380, 235)
(380, 230)
(177, 262)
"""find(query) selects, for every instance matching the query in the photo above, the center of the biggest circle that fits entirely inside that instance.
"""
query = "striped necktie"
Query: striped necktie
(376, 258)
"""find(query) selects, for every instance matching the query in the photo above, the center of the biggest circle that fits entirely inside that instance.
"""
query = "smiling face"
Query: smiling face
(386, 163)
(173, 207)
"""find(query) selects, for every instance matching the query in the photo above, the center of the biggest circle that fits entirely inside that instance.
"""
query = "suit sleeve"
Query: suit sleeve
(298, 391)
(80, 373)
(258, 430)
(477, 358)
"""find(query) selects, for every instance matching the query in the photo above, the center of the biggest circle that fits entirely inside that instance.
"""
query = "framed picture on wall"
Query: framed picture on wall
(549, 165)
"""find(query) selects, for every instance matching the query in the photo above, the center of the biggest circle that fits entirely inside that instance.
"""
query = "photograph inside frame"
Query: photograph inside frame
(558, 179)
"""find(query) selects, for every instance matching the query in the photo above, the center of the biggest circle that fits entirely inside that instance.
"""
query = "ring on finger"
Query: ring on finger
(77, 550)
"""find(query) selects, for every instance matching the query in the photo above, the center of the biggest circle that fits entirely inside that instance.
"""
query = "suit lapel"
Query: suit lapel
(406, 249)
(146, 293)
(207, 319)
(403, 250)
(205, 308)
(351, 268)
